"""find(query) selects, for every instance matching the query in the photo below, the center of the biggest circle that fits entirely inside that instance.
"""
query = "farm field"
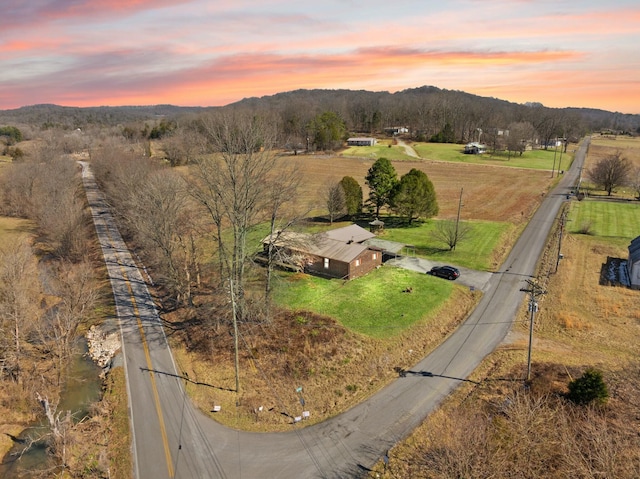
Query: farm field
(490, 193)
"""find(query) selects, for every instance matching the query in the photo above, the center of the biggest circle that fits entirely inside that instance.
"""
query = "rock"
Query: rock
(102, 346)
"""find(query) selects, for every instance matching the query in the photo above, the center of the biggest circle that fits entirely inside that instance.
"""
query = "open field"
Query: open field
(538, 159)
(490, 193)
(605, 218)
(604, 146)
(532, 159)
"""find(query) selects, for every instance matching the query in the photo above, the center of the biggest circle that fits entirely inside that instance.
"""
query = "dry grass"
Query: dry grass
(603, 146)
(581, 324)
(491, 193)
(336, 368)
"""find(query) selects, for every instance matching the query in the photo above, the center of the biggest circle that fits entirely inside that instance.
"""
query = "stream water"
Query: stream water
(82, 388)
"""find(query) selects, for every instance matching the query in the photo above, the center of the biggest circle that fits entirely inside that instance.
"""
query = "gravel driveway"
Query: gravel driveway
(468, 277)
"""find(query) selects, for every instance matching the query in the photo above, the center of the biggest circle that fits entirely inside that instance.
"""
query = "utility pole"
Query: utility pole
(563, 220)
(534, 291)
(235, 340)
(555, 152)
(458, 220)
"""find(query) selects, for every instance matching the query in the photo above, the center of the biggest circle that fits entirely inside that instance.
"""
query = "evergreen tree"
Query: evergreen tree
(352, 195)
(328, 130)
(381, 179)
(588, 388)
(414, 196)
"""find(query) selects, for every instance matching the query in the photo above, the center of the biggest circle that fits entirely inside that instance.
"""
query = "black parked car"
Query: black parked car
(448, 272)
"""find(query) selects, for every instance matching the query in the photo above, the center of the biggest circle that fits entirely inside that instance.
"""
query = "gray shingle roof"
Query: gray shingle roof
(342, 244)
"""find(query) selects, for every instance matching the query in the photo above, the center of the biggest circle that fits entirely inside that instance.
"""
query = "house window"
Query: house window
(357, 263)
(326, 263)
(375, 256)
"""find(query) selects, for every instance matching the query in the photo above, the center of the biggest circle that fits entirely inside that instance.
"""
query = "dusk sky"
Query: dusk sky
(212, 52)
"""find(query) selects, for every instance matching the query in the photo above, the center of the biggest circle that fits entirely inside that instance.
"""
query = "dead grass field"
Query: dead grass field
(581, 324)
(602, 146)
(491, 193)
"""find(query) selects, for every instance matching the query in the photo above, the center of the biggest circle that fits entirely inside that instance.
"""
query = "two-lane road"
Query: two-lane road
(172, 439)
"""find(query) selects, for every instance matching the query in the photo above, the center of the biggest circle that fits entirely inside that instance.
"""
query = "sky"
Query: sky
(561, 53)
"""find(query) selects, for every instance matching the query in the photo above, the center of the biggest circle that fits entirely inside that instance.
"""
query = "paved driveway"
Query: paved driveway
(468, 277)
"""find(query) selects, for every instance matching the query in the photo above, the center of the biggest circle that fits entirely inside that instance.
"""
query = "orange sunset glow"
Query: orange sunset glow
(203, 53)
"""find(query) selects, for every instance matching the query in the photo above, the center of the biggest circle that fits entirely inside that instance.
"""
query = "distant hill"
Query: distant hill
(47, 115)
(426, 108)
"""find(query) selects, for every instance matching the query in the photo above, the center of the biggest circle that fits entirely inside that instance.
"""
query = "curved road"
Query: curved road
(173, 439)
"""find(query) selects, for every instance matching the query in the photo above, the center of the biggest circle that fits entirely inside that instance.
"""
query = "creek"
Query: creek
(82, 388)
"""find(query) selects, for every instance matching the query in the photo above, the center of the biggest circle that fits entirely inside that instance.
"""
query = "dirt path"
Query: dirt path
(407, 148)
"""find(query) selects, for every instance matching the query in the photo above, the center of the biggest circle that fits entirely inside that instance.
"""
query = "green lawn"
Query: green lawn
(374, 305)
(535, 159)
(384, 149)
(605, 218)
(474, 252)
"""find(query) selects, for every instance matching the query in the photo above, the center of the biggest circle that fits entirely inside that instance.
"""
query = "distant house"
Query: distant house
(396, 130)
(339, 253)
(633, 263)
(361, 141)
(474, 148)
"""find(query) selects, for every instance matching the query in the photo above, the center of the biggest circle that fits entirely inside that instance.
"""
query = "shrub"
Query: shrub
(585, 228)
(588, 388)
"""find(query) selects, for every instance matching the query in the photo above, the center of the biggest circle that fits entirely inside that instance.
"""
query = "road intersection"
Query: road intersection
(172, 439)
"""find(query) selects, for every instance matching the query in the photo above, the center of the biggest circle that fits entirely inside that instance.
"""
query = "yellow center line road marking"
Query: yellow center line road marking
(152, 377)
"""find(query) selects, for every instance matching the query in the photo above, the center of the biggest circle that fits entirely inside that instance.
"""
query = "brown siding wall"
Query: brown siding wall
(367, 263)
(337, 269)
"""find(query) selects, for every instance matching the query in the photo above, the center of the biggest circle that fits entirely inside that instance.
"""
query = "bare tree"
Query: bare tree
(283, 191)
(610, 172)
(519, 134)
(75, 287)
(233, 185)
(451, 232)
(335, 201)
(19, 297)
(164, 223)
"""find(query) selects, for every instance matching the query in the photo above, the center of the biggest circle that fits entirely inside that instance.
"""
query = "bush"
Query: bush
(588, 388)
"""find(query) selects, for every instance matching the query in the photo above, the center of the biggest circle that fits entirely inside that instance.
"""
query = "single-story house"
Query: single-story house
(633, 263)
(361, 141)
(339, 253)
(396, 130)
(474, 148)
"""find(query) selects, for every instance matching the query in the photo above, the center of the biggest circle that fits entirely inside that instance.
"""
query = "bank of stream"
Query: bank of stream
(83, 387)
